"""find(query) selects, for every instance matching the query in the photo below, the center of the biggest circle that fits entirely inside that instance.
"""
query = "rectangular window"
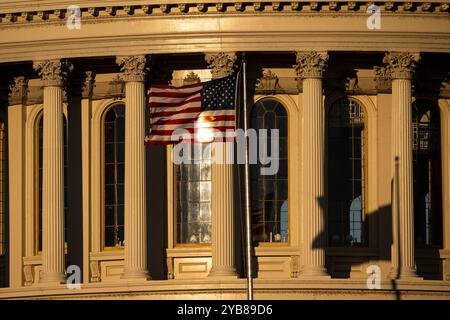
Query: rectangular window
(193, 197)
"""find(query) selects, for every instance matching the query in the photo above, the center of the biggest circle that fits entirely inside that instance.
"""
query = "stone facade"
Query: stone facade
(305, 55)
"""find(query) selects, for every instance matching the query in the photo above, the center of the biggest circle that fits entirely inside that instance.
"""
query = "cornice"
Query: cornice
(28, 12)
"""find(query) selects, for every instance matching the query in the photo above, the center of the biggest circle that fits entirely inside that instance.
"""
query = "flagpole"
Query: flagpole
(248, 230)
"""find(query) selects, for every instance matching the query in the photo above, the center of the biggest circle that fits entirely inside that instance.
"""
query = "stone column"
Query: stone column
(400, 67)
(133, 68)
(310, 67)
(222, 201)
(53, 73)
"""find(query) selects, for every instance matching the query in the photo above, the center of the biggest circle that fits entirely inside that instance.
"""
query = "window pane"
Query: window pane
(427, 183)
(345, 174)
(193, 203)
(113, 189)
(269, 192)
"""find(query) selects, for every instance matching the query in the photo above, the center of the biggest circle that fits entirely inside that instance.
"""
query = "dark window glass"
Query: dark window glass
(113, 166)
(346, 181)
(193, 197)
(427, 175)
(269, 193)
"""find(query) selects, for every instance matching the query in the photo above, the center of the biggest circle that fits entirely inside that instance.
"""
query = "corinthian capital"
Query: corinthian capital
(133, 67)
(18, 91)
(310, 64)
(221, 64)
(53, 72)
(400, 65)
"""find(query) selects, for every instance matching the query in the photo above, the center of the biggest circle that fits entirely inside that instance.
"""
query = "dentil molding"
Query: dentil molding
(26, 12)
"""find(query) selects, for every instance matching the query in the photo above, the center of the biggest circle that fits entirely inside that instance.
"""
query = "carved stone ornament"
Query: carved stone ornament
(183, 7)
(258, 6)
(382, 79)
(89, 84)
(18, 91)
(27, 16)
(400, 65)
(133, 67)
(351, 83)
(221, 64)
(268, 82)
(53, 72)
(352, 5)
(389, 6)
(111, 11)
(191, 78)
(333, 5)
(310, 64)
(407, 6)
(220, 6)
(117, 87)
(295, 5)
(444, 7)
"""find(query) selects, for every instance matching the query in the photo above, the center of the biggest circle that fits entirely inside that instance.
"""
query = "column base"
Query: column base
(226, 273)
(404, 274)
(314, 273)
(135, 274)
(408, 274)
(53, 278)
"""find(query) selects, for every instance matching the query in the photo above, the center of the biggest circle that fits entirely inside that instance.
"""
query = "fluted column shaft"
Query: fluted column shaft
(310, 67)
(222, 200)
(400, 66)
(222, 220)
(135, 265)
(402, 153)
(53, 73)
(53, 187)
(314, 178)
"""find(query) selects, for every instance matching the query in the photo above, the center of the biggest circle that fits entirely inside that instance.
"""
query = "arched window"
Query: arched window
(269, 193)
(3, 206)
(427, 175)
(193, 197)
(113, 176)
(40, 147)
(346, 174)
(39, 155)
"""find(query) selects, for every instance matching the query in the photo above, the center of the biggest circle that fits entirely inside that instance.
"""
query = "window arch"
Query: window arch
(269, 193)
(346, 173)
(427, 174)
(113, 138)
(39, 136)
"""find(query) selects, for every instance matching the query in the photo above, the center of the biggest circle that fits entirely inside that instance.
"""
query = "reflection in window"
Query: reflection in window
(346, 173)
(114, 170)
(40, 139)
(3, 207)
(427, 175)
(193, 197)
(269, 193)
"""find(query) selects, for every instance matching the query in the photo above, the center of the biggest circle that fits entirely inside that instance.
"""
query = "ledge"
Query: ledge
(236, 289)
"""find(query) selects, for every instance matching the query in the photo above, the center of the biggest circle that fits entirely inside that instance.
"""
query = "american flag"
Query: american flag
(206, 110)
